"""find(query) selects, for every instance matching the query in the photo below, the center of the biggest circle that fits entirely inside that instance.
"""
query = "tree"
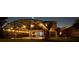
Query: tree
(76, 24)
(2, 22)
(58, 31)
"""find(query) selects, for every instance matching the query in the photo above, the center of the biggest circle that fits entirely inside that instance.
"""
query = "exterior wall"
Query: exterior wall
(37, 34)
(71, 32)
(52, 26)
(75, 33)
(53, 32)
(34, 33)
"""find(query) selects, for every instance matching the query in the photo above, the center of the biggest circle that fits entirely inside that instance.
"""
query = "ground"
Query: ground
(58, 39)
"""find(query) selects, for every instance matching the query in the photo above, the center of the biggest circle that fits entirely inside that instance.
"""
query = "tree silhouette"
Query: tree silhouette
(2, 22)
(58, 31)
(76, 24)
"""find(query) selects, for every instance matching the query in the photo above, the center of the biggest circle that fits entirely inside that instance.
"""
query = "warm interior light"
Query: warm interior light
(60, 33)
(46, 25)
(11, 28)
(23, 26)
(32, 25)
(8, 30)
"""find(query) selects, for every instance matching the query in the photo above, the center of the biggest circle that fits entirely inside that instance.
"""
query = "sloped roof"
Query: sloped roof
(25, 22)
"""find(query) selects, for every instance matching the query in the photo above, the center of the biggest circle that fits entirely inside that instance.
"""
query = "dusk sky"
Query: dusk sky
(61, 21)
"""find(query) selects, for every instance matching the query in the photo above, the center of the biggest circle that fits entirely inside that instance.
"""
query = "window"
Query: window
(41, 34)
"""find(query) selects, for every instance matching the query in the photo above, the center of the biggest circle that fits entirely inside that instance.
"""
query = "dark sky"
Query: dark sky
(61, 21)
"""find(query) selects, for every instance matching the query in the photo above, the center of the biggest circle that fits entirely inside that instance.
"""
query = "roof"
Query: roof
(26, 23)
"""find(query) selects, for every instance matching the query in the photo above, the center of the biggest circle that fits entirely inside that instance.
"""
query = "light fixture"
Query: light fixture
(46, 25)
(8, 30)
(23, 26)
(60, 33)
(11, 28)
(32, 25)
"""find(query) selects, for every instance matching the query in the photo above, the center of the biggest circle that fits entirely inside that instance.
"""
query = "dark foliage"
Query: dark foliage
(76, 24)
(2, 22)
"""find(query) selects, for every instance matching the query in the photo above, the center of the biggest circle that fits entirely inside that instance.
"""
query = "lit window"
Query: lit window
(40, 33)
